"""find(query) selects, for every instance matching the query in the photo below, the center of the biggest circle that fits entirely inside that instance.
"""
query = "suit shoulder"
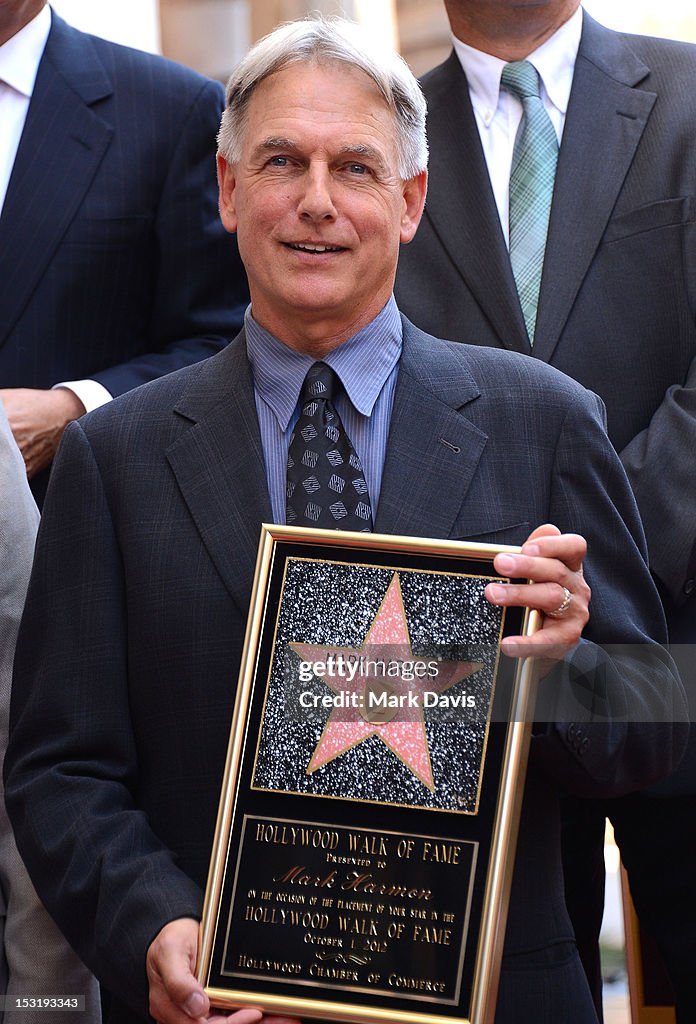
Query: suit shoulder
(665, 66)
(146, 403)
(672, 67)
(147, 73)
(501, 376)
(516, 369)
(154, 72)
(657, 51)
(487, 364)
(438, 82)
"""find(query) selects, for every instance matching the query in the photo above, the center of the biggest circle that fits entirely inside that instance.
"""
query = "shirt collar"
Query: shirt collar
(20, 56)
(554, 60)
(363, 363)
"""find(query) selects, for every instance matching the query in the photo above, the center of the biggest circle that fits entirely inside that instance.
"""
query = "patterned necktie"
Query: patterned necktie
(326, 486)
(531, 187)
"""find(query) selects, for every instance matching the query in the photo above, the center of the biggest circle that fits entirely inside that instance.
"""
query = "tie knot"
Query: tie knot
(522, 78)
(321, 382)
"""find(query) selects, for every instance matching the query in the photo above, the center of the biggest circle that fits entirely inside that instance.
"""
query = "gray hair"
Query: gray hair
(329, 40)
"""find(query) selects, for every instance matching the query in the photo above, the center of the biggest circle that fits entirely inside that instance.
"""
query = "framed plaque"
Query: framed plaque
(365, 839)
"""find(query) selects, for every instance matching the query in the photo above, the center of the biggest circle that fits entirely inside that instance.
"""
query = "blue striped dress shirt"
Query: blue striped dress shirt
(367, 365)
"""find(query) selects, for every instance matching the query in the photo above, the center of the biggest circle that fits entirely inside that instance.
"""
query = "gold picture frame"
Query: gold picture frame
(367, 824)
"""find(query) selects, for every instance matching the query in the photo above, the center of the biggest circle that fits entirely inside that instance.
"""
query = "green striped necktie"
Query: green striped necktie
(531, 187)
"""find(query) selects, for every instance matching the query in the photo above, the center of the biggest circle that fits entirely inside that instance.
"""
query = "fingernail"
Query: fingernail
(496, 591)
(195, 1005)
(505, 563)
(531, 549)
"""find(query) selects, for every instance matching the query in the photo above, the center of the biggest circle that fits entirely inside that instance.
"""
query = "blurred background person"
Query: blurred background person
(35, 959)
(114, 267)
(608, 295)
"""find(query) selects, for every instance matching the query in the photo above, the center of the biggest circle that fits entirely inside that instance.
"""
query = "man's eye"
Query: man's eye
(358, 169)
(278, 161)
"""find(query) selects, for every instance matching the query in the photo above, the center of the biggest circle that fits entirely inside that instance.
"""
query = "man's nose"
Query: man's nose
(317, 199)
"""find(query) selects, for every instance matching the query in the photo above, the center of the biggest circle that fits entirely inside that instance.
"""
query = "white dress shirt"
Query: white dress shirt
(498, 113)
(19, 65)
(20, 57)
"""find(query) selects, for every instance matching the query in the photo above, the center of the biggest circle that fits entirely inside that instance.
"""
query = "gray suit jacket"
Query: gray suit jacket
(35, 959)
(132, 637)
(618, 295)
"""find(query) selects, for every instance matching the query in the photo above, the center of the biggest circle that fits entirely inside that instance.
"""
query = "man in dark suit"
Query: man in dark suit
(616, 311)
(114, 268)
(136, 613)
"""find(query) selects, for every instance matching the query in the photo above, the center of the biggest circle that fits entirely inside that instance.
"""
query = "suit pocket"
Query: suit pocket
(514, 533)
(665, 213)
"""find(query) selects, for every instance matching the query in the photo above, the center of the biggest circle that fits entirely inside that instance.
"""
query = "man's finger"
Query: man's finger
(175, 994)
(569, 548)
(246, 1016)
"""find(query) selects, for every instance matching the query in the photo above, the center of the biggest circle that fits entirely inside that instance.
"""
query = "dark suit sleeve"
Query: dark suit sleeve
(112, 891)
(199, 285)
(660, 465)
(617, 707)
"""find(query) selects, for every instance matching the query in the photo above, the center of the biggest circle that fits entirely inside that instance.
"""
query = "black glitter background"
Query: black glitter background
(334, 604)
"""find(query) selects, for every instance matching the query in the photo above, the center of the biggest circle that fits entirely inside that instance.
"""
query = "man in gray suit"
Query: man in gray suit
(35, 959)
(616, 310)
(136, 612)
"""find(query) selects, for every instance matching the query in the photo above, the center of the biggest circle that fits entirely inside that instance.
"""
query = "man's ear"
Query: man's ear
(414, 201)
(226, 184)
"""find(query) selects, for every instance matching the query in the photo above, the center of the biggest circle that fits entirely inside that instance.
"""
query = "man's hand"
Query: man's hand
(553, 561)
(38, 419)
(176, 997)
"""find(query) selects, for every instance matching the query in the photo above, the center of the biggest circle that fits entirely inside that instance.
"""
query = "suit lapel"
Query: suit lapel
(433, 450)
(461, 206)
(432, 454)
(62, 145)
(219, 466)
(604, 124)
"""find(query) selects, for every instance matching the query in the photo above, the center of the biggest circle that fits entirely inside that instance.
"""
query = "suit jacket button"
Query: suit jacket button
(583, 746)
(689, 587)
(572, 729)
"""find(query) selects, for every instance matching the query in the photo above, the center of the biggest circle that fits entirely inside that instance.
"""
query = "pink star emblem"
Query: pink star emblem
(397, 719)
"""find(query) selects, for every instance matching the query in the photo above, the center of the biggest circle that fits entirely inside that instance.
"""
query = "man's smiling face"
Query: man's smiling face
(317, 202)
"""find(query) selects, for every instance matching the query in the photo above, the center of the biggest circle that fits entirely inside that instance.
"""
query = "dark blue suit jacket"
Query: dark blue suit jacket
(133, 631)
(113, 261)
(617, 312)
(617, 308)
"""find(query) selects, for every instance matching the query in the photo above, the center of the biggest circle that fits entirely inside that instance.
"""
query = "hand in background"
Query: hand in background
(37, 419)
